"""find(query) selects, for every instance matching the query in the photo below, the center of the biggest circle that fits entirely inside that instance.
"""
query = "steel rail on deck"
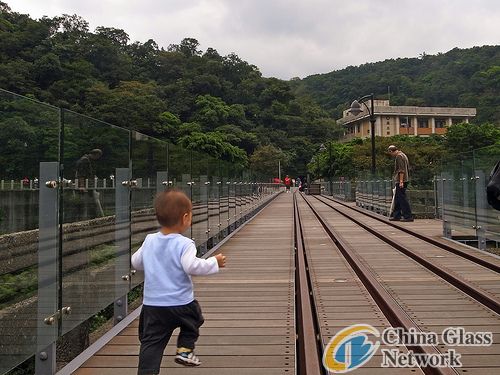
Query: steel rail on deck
(471, 257)
(308, 348)
(395, 314)
(468, 288)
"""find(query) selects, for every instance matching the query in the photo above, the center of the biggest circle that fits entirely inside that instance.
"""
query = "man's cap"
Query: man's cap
(392, 148)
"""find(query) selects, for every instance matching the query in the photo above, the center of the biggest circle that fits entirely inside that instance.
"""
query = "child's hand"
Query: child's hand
(221, 260)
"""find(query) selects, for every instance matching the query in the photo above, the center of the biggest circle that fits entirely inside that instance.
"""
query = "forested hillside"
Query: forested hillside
(199, 99)
(220, 104)
(458, 78)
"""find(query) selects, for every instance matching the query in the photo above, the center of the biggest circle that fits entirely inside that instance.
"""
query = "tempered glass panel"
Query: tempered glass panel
(254, 195)
(29, 135)
(487, 218)
(460, 198)
(245, 193)
(225, 216)
(150, 170)
(214, 193)
(378, 193)
(179, 172)
(422, 193)
(239, 201)
(92, 255)
(232, 182)
(200, 186)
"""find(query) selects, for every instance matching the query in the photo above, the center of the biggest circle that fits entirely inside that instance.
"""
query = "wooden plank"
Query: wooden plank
(248, 307)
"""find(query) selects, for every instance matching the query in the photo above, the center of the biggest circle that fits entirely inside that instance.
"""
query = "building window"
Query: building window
(388, 133)
(440, 123)
(423, 123)
(357, 128)
(404, 122)
(455, 121)
(388, 122)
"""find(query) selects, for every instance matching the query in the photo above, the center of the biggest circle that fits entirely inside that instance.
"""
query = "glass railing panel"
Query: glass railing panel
(214, 196)
(179, 172)
(248, 196)
(244, 193)
(422, 192)
(225, 212)
(385, 192)
(362, 193)
(29, 134)
(149, 158)
(95, 251)
(325, 187)
(460, 198)
(238, 199)
(232, 181)
(200, 188)
(252, 191)
(488, 222)
(375, 192)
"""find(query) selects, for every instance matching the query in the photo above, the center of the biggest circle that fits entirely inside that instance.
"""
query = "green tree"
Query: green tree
(210, 111)
(17, 140)
(264, 161)
(132, 105)
(237, 137)
(47, 70)
(168, 126)
(467, 137)
(188, 47)
(213, 144)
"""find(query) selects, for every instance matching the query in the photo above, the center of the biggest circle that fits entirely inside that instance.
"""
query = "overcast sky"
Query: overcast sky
(293, 38)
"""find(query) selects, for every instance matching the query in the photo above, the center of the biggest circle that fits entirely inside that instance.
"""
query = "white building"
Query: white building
(406, 120)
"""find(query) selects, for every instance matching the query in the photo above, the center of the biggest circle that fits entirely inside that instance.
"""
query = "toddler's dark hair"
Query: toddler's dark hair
(170, 207)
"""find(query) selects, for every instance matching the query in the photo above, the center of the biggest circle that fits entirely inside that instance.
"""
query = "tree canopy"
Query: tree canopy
(223, 105)
(204, 101)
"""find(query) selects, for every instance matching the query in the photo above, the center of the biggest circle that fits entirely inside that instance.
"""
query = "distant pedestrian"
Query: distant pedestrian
(168, 260)
(303, 185)
(288, 183)
(401, 210)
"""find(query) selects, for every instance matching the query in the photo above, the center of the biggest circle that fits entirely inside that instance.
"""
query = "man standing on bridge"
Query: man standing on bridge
(402, 210)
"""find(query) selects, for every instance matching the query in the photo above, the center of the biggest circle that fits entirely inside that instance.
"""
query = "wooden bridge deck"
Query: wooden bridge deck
(248, 308)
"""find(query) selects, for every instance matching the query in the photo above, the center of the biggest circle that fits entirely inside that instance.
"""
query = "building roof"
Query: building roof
(381, 110)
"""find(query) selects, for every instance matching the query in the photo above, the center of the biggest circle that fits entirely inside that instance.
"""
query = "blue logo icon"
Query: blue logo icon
(350, 348)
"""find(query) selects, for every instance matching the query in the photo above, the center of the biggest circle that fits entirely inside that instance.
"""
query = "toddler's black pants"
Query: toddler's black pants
(156, 325)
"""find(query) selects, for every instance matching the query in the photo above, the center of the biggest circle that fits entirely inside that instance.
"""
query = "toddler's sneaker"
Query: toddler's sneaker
(186, 357)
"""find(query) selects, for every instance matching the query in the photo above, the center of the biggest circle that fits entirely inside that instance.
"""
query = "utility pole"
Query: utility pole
(279, 170)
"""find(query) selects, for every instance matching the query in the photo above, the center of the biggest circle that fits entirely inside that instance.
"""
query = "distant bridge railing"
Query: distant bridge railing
(456, 195)
(461, 190)
(376, 195)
